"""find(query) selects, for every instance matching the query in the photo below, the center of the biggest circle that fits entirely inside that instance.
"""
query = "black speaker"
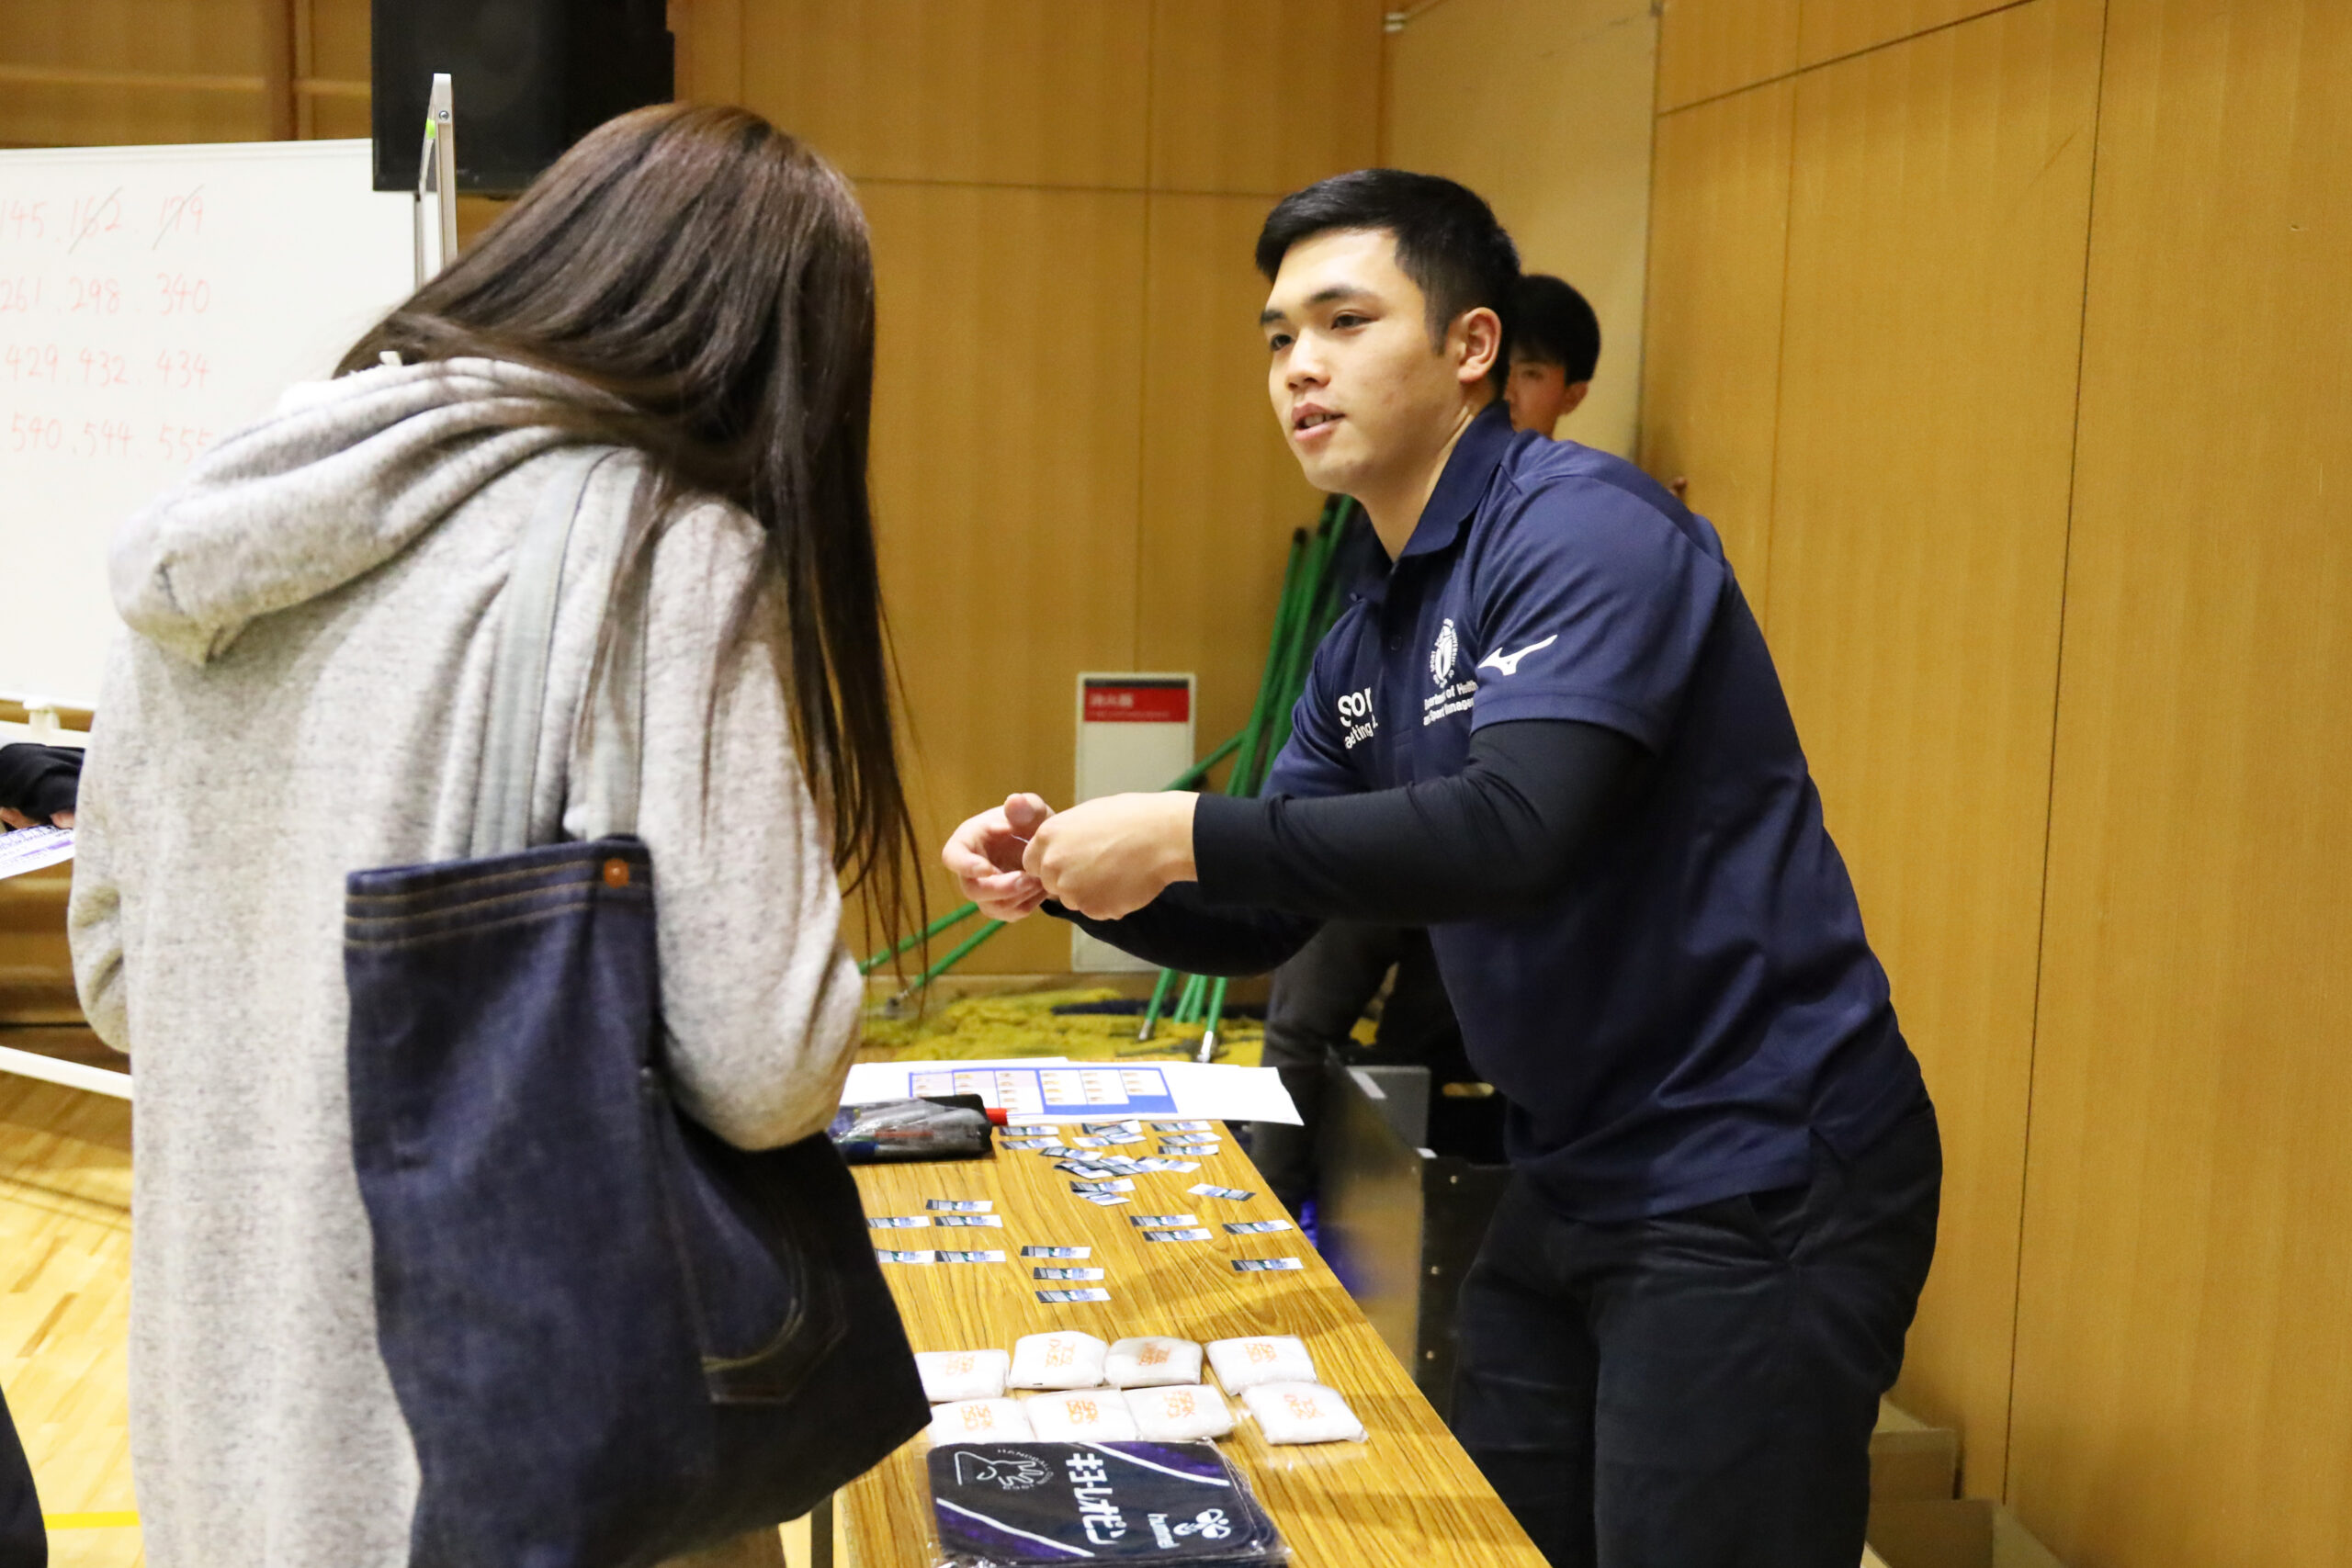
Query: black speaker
(529, 78)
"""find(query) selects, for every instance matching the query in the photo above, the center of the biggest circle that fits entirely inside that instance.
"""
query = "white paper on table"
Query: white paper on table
(1199, 1091)
(873, 1082)
(31, 849)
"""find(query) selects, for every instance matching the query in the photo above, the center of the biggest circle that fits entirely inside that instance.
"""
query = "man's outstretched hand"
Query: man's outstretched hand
(984, 855)
(1112, 856)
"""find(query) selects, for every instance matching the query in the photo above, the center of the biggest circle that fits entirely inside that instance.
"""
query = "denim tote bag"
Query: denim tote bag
(614, 1337)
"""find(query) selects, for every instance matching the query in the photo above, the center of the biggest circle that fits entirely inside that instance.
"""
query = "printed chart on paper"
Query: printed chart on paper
(1073, 1090)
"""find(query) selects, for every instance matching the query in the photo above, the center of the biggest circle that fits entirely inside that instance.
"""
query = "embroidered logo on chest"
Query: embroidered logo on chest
(1442, 655)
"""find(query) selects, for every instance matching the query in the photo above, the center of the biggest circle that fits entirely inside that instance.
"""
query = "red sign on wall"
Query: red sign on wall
(1138, 702)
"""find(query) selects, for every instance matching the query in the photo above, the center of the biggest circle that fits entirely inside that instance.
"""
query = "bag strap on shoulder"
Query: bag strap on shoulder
(519, 674)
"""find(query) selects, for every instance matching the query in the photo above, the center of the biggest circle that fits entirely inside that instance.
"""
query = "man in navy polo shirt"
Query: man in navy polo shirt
(1551, 732)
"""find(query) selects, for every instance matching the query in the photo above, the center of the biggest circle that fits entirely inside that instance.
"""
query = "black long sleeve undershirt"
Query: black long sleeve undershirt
(1496, 839)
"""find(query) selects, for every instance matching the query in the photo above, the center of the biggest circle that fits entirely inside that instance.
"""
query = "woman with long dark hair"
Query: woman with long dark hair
(303, 695)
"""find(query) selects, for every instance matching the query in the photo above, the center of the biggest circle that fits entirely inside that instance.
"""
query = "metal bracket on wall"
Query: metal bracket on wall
(437, 176)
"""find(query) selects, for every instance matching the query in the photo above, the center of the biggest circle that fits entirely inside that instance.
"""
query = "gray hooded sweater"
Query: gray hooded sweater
(303, 695)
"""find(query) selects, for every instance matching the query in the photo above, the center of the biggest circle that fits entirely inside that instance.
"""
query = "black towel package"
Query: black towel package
(1024, 1505)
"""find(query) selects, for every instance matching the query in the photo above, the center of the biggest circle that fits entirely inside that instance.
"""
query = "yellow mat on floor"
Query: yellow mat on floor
(1026, 1025)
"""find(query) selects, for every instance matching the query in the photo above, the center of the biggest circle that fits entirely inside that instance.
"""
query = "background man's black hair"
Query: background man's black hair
(1552, 323)
(1447, 239)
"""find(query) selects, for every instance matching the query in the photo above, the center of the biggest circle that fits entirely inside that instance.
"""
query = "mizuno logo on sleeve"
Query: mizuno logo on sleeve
(1508, 663)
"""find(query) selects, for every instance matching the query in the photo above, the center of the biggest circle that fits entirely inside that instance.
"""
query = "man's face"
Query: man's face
(1541, 395)
(1361, 393)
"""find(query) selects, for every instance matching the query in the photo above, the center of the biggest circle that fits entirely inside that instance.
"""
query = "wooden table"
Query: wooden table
(1407, 1496)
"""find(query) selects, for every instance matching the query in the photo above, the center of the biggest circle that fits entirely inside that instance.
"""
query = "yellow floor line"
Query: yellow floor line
(113, 1521)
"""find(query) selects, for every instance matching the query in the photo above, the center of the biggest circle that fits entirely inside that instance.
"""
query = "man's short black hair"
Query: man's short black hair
(1447, 239)
(1552, 324)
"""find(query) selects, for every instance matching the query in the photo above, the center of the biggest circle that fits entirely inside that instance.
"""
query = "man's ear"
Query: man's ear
(1575, 394)
(1476, 341)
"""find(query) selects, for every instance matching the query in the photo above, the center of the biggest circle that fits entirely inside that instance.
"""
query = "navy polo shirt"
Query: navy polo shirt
(1699, 1002)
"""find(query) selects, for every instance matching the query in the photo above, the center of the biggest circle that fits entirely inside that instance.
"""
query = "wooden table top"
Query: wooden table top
(1407, 1495)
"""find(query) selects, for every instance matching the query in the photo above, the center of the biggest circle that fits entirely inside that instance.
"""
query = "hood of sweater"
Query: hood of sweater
(340, 477)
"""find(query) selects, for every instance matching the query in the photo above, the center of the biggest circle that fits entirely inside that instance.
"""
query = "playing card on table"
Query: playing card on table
(1161, 1222)
(981, 1221)
(887, 1256)
(1057, 1252)
(1176, 1235)
(1266, 1265)
(896, 1222)
(1090, 1293)
(958, 1205)
(1066, 1273)
(971, 1256)
(1256, 1227)
(1091, 1188)
(1205, 1189)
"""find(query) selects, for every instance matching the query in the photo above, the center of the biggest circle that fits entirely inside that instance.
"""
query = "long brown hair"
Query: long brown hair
(713, 279)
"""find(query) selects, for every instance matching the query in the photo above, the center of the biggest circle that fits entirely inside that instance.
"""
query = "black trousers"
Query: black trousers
(1697, 1390)
(1316, 1000)
(24, 1541)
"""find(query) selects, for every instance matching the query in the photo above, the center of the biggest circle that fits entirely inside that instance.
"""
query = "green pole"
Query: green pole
(1285, 611)
(1216, 1015)
(955, 957)
(1191, 777)
(1158, 998)
(932, 930)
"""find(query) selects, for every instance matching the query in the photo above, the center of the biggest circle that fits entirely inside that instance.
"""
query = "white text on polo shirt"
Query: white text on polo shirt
(1356, 715)
(1454, 699)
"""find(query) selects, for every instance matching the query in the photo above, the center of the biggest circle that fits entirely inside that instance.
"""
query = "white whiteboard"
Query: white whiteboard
(152, 299)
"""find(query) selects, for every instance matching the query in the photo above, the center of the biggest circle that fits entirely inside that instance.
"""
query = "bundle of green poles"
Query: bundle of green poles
(1309, 605)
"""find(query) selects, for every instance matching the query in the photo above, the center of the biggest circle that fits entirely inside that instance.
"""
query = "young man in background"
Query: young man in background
(1554, 348)
(1552, 735)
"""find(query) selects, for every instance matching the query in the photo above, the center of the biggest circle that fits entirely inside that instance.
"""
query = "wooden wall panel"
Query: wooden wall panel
(1221, 492)
(1019, 92)
(188, 37)
(1544, 108)
(1008, 458)
(1940, 195)
(1709, 47)
(1232, 111)
(2184, 1391)
(1710, 369)
(1828, 29)
(339, 46)
(710, 37)
(45, 107)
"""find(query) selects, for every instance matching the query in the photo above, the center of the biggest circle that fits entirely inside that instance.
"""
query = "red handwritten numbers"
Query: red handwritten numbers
(19, 295)
(182, 294)
(103, 438)
(35, 362)
(94, 296)
(24, 222)
(32, 432)
(92, 216)
(182, 215)
(100, 369)
(181, 442)
(181, 370)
